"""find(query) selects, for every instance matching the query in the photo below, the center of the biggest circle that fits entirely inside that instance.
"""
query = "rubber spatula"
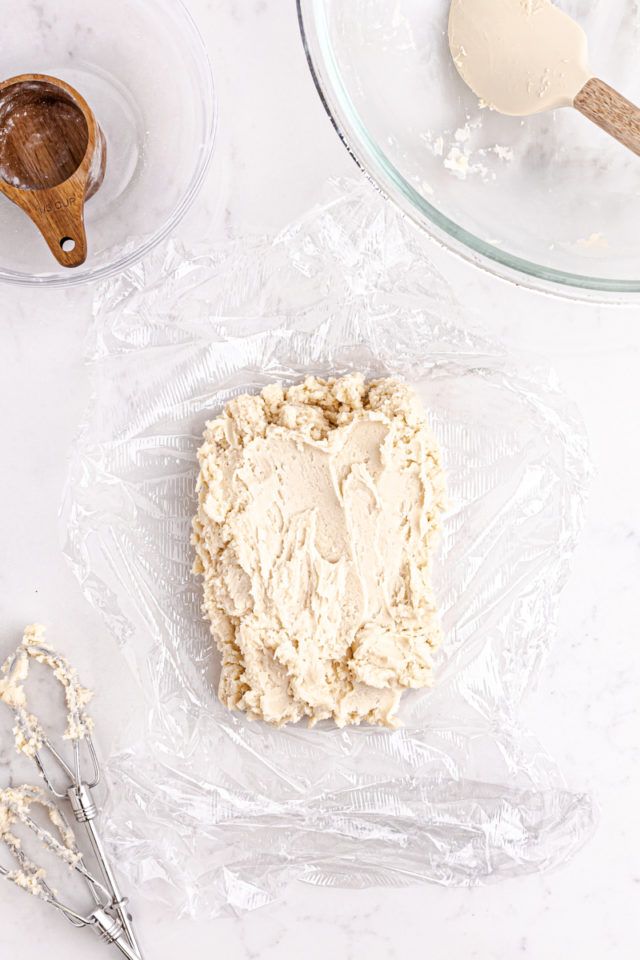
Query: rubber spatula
(526, 56)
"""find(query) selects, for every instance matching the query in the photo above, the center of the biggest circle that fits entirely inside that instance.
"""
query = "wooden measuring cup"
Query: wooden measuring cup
(52, 159)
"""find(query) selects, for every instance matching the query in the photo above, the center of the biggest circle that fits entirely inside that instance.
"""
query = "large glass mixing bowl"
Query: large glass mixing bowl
(549, 201)
(142, 67)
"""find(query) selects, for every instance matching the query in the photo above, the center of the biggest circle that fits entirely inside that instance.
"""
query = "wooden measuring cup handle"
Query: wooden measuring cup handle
(52, 159)
(611, 111)
(59, 215)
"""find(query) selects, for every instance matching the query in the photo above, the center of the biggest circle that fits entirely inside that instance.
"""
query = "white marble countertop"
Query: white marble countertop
(275, 151)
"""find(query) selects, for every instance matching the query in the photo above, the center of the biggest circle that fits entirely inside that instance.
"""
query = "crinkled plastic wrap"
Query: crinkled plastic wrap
(210, 811)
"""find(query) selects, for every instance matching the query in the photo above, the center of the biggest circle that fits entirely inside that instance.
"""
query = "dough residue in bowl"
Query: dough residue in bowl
(318, 515)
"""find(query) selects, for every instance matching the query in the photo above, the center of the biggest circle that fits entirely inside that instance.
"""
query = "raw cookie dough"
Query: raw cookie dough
(319, 511)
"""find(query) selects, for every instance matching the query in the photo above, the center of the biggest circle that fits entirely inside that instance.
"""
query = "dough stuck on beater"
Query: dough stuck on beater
(319, 512)
(28, 731)
(15, 808)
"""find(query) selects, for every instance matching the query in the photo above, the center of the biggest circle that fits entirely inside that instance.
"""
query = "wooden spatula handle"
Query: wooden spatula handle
(611, 111)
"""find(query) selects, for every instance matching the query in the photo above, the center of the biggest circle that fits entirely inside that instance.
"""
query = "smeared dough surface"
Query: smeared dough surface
(319, 511)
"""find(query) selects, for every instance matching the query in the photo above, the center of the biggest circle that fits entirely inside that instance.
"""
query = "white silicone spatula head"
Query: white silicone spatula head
(526, 56)
(520, 56)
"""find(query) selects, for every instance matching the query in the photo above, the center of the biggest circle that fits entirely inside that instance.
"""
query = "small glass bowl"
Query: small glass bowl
(144, 71)
(550, 202)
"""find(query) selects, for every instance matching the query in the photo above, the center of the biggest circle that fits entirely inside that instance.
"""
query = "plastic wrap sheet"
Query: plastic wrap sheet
(210, 811)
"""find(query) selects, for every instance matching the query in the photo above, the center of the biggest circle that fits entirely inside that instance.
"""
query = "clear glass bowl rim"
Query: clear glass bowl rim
(374, 163)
